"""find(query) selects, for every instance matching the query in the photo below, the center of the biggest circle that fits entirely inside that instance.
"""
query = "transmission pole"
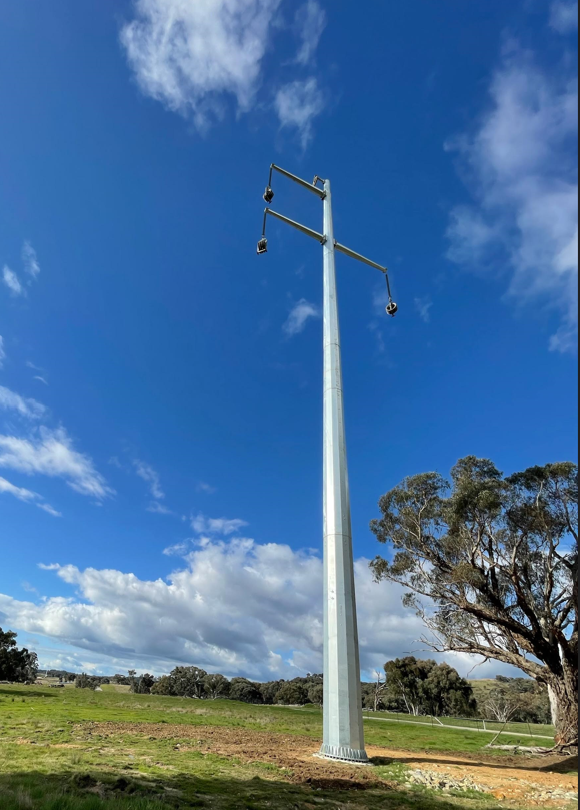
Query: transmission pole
(343, 717)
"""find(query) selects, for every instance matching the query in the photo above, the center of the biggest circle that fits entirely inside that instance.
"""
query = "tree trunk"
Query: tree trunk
(564, 701)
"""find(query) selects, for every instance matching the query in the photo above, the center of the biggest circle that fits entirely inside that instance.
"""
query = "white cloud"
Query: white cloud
(222, 526)
(18, 492)
(40, 379)
(51, 453)
(178, 550)
(187, 55)
(28, 408)
(46, 507)
(470, 236)
(12, 281)
(298, 104)
(2, 352)
(151, 476)
(26, 496)
(30, 260)
(299, 316)
(157, 508)
(424, 307)
(564, 16)
(311, 21)
(237, 607)
(522, 169)
(375, 328)
(207, 489)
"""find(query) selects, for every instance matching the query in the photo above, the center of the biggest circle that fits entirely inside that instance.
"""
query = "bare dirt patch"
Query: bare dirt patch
(512, 779)
(506, 778)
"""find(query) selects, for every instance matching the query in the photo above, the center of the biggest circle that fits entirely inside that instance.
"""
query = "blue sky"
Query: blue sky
(160, 385)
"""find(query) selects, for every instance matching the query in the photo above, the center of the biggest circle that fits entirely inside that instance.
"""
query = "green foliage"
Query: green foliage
(85, 681)
(425, 687)
(495, 560)
(529, 699)
(143, 685)
(163, 686)
(16, 666)
(216, 686)
(270, 691)
(246, 691)
(316, 694)
(293, 693)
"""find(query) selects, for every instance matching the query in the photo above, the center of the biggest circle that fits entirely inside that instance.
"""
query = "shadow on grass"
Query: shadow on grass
(27, 693)
(514, 763)
(118, 791)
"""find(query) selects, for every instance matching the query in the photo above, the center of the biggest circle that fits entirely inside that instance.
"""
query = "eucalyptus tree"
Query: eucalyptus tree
(491, 565)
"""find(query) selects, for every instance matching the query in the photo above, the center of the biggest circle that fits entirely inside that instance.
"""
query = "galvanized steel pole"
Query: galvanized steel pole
(343, 718)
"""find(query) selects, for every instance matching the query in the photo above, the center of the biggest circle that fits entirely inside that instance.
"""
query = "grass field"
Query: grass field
(519, 729)
(63, 749)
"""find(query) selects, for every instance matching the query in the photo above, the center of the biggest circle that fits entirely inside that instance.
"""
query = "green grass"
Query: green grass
(522, 730)
(50, 761)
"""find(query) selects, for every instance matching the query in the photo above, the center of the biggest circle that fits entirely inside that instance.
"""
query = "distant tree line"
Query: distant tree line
(516, 699)
(406, 685)
(193, 682)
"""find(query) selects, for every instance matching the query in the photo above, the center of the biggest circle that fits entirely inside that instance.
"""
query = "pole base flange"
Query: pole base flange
(344, 754)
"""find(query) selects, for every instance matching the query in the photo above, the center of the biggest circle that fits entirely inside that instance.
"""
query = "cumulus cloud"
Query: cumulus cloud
(298, 104)
(424, 307)
(51, 453)
(236, 607)
(12, 281)
(30, 260)
(299, 316)
(28, 408)
(217, 526)
(151, 476)
(188, 55)
(564, 16)
(311, 21)
(522, 169)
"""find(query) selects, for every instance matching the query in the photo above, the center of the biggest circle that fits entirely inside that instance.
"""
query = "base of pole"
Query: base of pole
(343, 754)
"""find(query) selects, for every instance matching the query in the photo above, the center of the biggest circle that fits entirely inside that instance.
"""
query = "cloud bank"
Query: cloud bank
(234, 606)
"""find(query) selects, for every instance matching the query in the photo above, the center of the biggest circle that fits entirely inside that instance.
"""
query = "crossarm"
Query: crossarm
(302, 228)
(358, 257)
(318, 191)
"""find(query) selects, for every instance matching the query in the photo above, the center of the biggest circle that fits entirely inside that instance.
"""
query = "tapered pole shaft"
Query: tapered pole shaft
(343, 719)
